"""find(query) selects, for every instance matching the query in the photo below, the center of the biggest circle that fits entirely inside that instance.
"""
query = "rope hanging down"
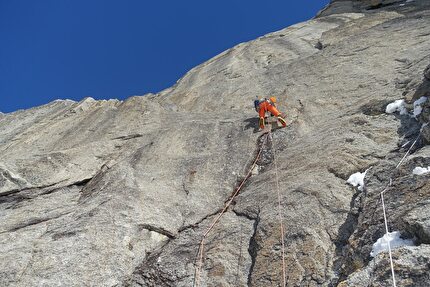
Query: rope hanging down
(385, 213)
(386, 230)
(200, 254)
(281, 219)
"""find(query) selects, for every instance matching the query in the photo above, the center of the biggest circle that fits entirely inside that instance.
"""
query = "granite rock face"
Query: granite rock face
(111, 193)
(370, 6)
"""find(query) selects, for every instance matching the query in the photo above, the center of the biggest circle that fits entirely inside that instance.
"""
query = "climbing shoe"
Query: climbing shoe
(282, 121)
(261, 123)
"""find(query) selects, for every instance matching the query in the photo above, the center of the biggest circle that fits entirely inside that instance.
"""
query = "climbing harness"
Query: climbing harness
(200, 254)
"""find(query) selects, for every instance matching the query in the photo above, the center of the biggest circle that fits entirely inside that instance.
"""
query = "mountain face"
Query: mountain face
(112, 193)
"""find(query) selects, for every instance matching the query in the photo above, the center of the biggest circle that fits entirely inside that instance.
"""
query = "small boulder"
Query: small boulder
(418, 221)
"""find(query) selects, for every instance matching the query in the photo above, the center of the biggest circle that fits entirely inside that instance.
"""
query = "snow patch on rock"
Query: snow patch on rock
(418, 106)
(396, 106)
(400, 106)
(357, 179)
(421, 170)
(392, 238)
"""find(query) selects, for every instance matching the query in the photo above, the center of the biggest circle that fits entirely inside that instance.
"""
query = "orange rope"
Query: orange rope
(200, 253)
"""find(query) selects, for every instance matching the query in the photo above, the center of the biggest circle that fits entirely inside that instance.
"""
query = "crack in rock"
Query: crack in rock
(159, 230)
(34, 221)
(253, 249)
(128, 137)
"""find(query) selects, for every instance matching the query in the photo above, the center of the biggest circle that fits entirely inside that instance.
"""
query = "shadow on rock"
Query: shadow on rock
(408, 132)
(252, 123)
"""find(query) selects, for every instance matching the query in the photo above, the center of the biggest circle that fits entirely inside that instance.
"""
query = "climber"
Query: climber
(268, 105)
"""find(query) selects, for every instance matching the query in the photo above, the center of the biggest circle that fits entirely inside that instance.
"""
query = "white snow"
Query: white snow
(417, 106)
(399, 106)
(421, 170)
(396, 106)
(381, 245)
(417, 111)
(357, 179)
(409, 1)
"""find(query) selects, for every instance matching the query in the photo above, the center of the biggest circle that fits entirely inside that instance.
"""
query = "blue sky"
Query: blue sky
(70, 49)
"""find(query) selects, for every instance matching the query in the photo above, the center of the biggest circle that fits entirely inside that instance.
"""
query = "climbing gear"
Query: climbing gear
(282, 121)
(261, 123)
(257, 104)
(273, 100)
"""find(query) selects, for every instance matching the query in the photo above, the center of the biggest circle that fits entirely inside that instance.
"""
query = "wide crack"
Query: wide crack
(31, 193)
(253, 249)
(34, 221)
(346, 230)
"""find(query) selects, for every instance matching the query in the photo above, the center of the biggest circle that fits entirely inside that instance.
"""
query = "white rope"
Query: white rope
(281, 219)
(386, 230)
(385, 213)
(407, 153)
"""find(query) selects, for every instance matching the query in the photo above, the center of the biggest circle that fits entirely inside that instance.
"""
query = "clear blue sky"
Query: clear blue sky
(70, 49)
